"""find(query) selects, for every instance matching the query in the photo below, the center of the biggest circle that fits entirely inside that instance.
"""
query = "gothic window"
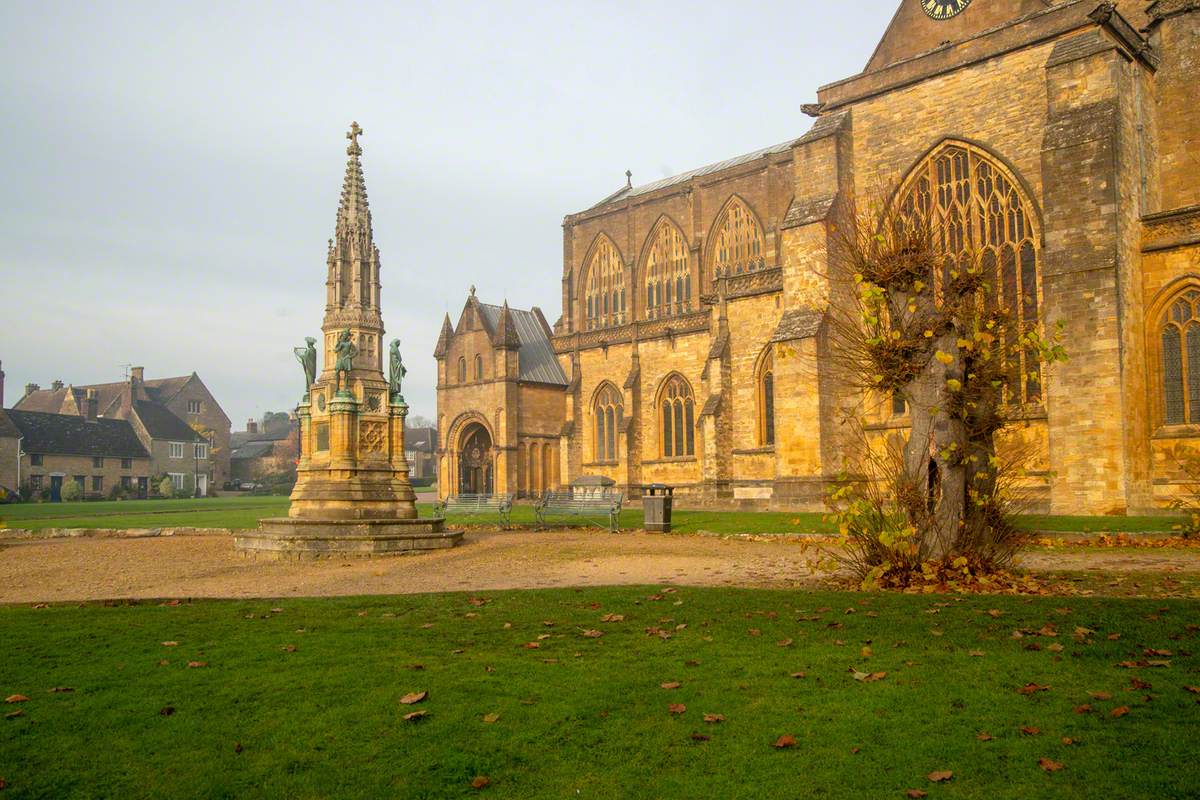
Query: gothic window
(462, 370)
(608, 412)
(739, 241)
(1180, 335)
(977, 211)
(604, 301)
(668, 278)
(766, 399)
(478, 368)
(677, 418)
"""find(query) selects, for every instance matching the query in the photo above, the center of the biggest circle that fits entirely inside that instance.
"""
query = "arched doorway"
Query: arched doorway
(475, 461)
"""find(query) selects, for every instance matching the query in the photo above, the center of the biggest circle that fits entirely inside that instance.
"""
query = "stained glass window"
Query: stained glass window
(739, 240)
(605, 288)
(668, 277)
(607, 409)
(678, 421)
(1181, 361)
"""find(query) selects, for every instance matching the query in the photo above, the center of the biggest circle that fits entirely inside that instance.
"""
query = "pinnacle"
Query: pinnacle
(354, 214)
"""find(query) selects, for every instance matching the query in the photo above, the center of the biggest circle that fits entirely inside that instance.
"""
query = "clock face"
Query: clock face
(944, 9)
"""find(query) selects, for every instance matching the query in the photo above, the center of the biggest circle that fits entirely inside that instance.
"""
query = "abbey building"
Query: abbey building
(1059, 139)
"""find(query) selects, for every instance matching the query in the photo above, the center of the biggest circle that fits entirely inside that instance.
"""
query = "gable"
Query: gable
(913, 32)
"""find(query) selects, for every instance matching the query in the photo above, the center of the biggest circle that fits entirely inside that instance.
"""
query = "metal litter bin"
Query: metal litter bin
(656, 503)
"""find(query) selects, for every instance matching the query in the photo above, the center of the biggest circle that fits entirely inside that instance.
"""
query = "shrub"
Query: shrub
(166, 488)
(71, 492)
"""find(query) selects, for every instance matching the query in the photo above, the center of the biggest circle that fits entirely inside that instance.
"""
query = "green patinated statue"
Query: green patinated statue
(396, 373)
(346, 350)
(307, 356)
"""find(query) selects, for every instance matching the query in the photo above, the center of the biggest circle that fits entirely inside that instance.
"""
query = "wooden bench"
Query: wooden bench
(477, 504)
(583, 504)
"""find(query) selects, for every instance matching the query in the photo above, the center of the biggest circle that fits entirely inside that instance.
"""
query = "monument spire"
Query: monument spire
(353, 212)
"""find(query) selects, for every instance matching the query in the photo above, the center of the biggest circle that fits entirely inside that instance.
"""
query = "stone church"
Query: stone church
(1059, 137)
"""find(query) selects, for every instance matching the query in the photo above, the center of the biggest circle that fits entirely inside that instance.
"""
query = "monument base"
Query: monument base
(292, 539)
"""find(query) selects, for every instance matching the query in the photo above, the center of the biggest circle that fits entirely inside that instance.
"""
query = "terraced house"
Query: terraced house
(1059, 140)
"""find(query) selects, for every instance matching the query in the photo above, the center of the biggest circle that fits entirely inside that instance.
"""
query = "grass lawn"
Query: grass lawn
(245, 512)
(587, 717)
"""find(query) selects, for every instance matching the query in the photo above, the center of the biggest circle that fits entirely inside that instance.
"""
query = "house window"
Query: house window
(98, 461)
(739, 241)
(462, 370)
(97, 483)
(193, 406)
(677, 418)
(668, 278)
(478, 368)
(126, 482)
(35, 482)
(766, 399)
(1180, 336)
(607, 409)
(899, 405)
(201, 451)
(176, 449)
(35, 459)
(82, 481)
(126, 463)
(177, 480)
(604, 303)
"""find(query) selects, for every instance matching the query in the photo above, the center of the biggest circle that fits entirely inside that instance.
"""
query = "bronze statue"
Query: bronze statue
(307, 356)
(396, 373)
(346, 351)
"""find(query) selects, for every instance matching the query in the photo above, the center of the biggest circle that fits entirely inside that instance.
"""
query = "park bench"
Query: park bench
(581, 504)
(477, 504)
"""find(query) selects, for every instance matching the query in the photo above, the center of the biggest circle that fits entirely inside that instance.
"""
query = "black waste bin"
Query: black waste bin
(656, 502)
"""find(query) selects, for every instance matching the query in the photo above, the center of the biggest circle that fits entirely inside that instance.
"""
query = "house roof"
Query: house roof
(160, 423)
(68, 434)
(536, 356)
(252, 450)
(420, 438)
(7, 429)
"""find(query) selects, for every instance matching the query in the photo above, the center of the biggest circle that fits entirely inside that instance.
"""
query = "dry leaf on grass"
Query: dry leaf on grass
(1029, 730)
(613, 618)
(1049, 765)
(1030, 688)
(480, 781)
(197, 664)
(714, 718)
(592, 634)
(59, 689)
(412, 716)
(940, 776)
(916, 793)
(1120, 711)
(16, 698)
(1100, 695)
(677, 708)
(14, 714)
(670, 685)
(413, 697)
(170, 644)
(984, 736)
(785, 741)
(490, 718)
(1086, 708)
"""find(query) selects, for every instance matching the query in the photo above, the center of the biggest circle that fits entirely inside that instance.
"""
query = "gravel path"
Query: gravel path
(207, 566)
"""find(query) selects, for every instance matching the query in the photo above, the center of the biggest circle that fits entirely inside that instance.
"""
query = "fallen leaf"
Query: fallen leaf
(787, 740)
(866, 651)
(477, 601)
(755, 632)
(480, 781)
(492, 717)
(167, 711)
(994, 612)
(415, 715)
(1100, 695)
(916, 793)
(670, 685)
(170, 644)
(613, 618)
(16, 698)
(855, 750)
(1192, 689)
(984, 736)
(13, 714)
(413, 697)
(714, 718)
(543, 637)
(1120, 711)
(867, 677)
(58, 689)
(532, 645)
(289, 648)
(784, 643)
(1067, 740)
(1029, 730)
(798, 675)
(1138, 683)
(677, 708)
(976, 653)
(197, 664)
(940, 776)
(1049, 766)
(1030, 688)
(593, 634)
(1086, 708)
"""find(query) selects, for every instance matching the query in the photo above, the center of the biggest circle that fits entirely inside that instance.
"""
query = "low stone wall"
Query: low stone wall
(25, 534)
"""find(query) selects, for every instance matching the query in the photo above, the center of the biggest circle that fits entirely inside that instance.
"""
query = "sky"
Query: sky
(171, 171)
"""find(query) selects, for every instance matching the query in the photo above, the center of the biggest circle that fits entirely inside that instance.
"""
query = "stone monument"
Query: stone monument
(352, 494)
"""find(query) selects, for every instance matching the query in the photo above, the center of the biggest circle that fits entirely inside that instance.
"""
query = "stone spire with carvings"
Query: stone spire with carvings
(352, 283)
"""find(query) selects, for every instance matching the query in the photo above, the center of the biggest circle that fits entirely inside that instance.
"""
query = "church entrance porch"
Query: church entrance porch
(476, 461)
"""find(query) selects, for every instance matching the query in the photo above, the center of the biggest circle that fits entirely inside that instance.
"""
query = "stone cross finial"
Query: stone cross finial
(353, 135)
(472, 290)
(628, 179)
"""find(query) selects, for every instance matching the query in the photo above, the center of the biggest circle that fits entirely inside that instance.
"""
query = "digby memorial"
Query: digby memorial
(352, 494)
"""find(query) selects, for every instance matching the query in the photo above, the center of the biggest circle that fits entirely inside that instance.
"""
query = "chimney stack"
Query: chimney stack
(91, 405)
(30, 388)
(54, 387)
(136, 375)
(1, 385)
(251, 426)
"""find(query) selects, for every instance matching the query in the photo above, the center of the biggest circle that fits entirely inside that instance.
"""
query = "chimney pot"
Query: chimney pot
(56, 385)
(251, 426)
(30, 388)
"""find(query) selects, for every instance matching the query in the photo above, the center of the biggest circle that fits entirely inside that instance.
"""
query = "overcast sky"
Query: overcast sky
(171, 171)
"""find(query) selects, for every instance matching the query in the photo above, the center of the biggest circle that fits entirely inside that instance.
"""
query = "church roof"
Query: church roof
(537, 359)
(633, 191)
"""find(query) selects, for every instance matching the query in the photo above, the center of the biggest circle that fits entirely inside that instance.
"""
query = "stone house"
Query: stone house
(420, 448)
(269, 451)
(179, 423)
(97, 453)
(1057, 139)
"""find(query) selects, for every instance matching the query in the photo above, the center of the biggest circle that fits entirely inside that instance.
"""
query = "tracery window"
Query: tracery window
(604, 297)
(1181, 360)
(976, 210)
(478, 368)
(608, 411)
(766, 399)
(739, 241)
(462, 370)
(668, 278)
(677, 418)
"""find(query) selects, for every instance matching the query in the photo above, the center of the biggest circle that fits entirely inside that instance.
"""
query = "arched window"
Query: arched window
(462, 370)
(766, 398)
(1180, 336)
(738, 243)
(977, 210)
(668, 279)
(604, 295)
(608, 411)
(677, 418)
(478, 368)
